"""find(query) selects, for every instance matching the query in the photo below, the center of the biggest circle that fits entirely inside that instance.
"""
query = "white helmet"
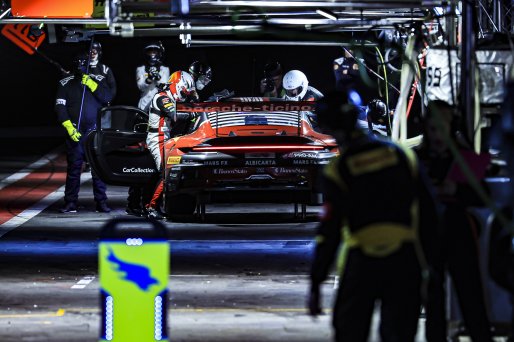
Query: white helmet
(181, 84)
(296, 84)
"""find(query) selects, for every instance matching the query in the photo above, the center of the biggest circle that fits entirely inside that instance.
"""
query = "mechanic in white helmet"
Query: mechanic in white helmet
(162, 118)
(297, 87)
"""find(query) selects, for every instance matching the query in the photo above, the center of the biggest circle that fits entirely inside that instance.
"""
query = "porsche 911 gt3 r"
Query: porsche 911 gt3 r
(260, 152)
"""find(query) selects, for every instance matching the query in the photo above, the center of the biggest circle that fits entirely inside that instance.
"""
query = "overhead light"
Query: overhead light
(327, 14)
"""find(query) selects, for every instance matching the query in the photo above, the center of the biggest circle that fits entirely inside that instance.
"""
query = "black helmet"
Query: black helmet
(95, 57)
(273, 69)
(202, 74)
(338, 111)
(377, 112)
(79, 62)
(154, 53)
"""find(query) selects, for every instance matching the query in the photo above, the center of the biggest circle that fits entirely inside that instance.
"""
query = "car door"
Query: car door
(116, 149)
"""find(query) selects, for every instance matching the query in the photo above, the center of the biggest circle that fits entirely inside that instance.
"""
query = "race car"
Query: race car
(246, 150)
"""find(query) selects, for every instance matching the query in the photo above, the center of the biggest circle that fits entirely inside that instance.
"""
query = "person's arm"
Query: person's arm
(328, 236)
(99, 89)
(143, 83)
(111, 81)
(61, 101)
(328, 239)
(165, 74)
(168, 107)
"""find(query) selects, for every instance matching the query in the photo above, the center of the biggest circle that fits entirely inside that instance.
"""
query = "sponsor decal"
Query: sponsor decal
(215, 162)
(305, 162)
(287, 106)
(60, 102)
(295, 170)
(300, 155)
(260, 162)
(230, 171)
(138, 170)
(173, 160)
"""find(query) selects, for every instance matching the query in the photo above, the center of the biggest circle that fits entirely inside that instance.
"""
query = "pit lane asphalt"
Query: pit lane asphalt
(239, 276)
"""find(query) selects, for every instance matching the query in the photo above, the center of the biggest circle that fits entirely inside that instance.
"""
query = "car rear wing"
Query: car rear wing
(249, 110)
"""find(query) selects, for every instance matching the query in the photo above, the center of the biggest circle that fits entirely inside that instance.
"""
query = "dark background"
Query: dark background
(30, 82)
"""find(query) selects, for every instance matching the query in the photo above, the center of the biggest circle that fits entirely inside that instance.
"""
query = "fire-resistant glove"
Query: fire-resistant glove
(72, 131)
(89, 82)
(313, 302)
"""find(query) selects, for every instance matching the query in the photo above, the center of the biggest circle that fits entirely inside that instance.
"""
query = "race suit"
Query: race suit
(312, 94)
(101, 71)
(71, 95)
(378, 225)
(147, 86)
(162, 118)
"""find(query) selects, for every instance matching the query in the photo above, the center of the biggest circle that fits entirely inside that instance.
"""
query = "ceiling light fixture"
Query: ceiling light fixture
(327, 14)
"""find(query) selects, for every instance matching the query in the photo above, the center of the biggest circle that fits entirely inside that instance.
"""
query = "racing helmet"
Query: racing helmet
(79, 62)
(154, 53)
(338, 111)
(202, 74)
(296, 84)
(181, 85)
(376, 112)
(96, 53)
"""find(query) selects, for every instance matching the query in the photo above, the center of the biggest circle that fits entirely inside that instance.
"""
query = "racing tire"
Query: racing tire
(180, 205)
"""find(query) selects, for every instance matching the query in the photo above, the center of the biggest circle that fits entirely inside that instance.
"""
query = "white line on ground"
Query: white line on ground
(82, 283)
(25, 171)
(44, 203)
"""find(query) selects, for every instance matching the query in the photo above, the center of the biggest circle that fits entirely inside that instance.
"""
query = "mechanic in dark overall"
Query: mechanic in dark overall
(100, 70)
(202, 75)
(271, 84)
(79, 97)
(149, 77)
(163, 119)
(455, 250)
(381, 255)
(378, 118)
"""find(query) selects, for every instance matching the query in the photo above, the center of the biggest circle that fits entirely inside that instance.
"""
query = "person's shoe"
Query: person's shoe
(153, 214)
(135, 211)
(69, 207)
(101, 207)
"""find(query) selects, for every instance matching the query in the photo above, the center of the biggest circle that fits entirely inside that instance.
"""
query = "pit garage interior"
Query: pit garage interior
(235, 271)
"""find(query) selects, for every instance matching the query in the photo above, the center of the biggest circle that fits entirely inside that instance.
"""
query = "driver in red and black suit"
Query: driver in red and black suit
(162, 118)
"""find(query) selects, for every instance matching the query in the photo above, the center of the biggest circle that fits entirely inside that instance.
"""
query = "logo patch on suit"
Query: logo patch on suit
(372, 161)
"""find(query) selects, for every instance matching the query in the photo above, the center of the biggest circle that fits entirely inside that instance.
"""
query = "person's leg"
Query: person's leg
(73, 171)
(134, 201)
(155, 144)
(463, 266)
(401, 296)
(355, 302)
